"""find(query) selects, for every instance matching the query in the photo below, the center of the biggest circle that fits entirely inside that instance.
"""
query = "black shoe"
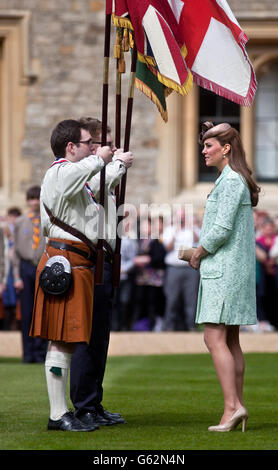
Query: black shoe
(95, 418)
(109, 415)
(69, 422)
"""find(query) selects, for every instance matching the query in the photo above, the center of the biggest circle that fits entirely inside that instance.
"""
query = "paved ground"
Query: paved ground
(154, 343)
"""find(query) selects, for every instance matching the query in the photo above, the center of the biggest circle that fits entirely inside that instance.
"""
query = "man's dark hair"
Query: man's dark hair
(94, 126)
(14, 211)
(66, 131)
(33, 193)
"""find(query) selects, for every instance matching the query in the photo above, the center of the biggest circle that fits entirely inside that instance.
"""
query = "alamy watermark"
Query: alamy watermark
(146, 221)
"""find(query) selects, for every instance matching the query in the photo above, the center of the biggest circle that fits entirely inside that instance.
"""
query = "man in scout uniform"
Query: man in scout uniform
(66, 319)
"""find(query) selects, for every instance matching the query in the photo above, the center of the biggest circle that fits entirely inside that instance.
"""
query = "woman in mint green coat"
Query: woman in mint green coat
(226, 258)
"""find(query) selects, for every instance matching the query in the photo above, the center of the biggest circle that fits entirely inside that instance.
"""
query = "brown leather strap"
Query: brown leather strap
(65, 246)
(67, 228)
(76, 233)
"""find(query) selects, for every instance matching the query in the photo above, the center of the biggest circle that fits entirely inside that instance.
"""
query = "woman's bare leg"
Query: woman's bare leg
(236, 351)
(216, 342)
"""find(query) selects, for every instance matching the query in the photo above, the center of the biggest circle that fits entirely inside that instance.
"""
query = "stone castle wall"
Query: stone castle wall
(66, 43)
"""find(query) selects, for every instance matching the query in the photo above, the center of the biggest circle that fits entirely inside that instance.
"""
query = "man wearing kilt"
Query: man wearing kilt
(66, 320)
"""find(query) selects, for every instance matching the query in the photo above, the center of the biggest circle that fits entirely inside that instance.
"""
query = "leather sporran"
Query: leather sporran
(56, 276)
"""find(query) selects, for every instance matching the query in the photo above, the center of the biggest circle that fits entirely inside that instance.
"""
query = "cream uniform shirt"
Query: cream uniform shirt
(113, 174)
(64, 192)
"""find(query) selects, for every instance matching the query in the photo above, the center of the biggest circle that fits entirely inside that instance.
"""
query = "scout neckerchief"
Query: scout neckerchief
(36, 222)
(87, 187)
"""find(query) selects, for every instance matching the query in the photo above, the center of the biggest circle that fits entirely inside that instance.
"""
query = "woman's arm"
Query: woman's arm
(228, 204)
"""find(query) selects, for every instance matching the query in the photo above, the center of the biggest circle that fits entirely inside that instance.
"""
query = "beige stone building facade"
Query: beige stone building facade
(51, 68)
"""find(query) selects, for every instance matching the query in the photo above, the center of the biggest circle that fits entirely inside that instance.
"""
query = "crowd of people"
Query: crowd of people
(266, 270)
(22, 245)
(157, 291)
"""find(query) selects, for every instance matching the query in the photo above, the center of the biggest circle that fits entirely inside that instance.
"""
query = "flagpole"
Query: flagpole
(118, 119)
(100, 255)
(116, 270)
(117, 254)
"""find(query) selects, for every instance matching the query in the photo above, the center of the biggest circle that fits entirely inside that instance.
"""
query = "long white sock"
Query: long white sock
(57, 384)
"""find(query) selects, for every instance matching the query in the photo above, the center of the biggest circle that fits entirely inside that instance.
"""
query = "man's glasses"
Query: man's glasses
(88, 142)
(110, 144)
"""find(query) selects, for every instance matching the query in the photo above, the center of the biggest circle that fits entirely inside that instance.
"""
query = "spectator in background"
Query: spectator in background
(273, 253)
(181, 281)
(2, 273)
(29, 244)
(10, 296)
(259, 218)
(275, 220)
(2, 262)
(123, 297)
(266, 287)
(122, 308)
(150, 270)
(157, 254)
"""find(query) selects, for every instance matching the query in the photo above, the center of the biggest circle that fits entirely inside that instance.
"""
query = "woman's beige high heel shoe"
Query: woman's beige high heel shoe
(241, 415)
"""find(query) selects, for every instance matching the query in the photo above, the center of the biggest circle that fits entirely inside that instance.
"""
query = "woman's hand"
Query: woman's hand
(195, 261)
(198, 254)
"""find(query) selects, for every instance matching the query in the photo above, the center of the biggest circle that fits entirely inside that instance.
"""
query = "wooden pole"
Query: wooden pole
(118, 120)
(117, 256)
(100, 254)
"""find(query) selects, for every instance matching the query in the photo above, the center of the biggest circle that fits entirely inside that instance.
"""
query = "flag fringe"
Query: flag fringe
(151, 60)
(183, 89)
(152, 96)
(228, 94)
(121, 22)
(146, 59)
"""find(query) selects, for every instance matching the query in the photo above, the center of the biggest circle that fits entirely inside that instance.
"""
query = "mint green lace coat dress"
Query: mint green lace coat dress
(227, 291)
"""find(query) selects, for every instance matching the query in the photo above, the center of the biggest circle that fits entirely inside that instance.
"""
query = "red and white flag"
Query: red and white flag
(215, 45)
(159, 41)
(178, 39)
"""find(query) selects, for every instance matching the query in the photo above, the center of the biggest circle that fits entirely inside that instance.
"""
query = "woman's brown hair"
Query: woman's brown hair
(237, 159)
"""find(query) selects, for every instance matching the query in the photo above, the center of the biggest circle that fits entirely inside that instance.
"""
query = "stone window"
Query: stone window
(15, 76)
(216, 109)
(266, 136)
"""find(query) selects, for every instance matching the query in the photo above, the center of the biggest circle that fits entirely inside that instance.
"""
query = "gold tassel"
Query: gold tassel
(121, 64)
(131, 42)
(125, 41)
(117, 47)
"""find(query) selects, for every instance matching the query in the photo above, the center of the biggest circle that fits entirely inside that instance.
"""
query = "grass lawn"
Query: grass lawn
(168, 402)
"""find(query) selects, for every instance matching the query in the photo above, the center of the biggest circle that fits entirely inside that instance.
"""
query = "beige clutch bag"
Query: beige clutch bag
(185, 253)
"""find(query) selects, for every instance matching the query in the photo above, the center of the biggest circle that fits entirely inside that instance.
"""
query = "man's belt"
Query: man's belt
(64, 246)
